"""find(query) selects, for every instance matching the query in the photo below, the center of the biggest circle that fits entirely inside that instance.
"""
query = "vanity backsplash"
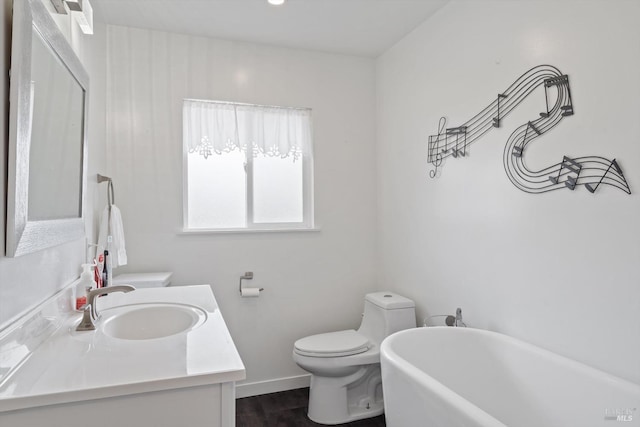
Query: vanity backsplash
(21, 338)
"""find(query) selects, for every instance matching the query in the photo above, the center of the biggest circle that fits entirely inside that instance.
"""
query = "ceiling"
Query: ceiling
(355, 27)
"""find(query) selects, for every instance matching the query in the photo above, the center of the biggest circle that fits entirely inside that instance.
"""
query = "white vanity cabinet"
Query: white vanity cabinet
(208, 405)
(91, 379)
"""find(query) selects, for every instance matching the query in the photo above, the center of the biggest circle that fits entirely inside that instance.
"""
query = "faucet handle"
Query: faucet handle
(459, 321)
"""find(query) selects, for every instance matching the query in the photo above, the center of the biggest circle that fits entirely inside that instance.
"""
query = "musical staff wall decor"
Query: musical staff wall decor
(589, 171)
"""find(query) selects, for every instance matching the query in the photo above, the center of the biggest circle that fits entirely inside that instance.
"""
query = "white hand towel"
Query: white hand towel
(117, 251)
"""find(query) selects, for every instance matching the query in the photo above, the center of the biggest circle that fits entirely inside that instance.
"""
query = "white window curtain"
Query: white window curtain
(221, 127)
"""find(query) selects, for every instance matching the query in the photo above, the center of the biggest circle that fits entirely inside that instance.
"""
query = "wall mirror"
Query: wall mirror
(48, 113)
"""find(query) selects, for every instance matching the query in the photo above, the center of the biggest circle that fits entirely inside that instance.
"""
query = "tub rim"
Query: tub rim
(461, 404)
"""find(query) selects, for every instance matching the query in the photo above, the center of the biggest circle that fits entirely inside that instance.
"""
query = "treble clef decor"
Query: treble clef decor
(587, 171)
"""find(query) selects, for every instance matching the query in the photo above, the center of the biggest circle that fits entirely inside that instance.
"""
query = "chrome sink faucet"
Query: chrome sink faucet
(90, 314)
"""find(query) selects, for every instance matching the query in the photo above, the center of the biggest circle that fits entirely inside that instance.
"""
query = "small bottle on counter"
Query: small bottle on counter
(85, 284)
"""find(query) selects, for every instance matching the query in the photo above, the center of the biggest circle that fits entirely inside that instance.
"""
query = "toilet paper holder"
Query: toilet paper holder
(247, 276)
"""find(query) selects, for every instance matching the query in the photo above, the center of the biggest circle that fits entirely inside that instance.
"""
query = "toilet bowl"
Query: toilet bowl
(346, 384)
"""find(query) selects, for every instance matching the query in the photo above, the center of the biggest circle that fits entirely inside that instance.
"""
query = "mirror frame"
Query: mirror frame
(24, 236)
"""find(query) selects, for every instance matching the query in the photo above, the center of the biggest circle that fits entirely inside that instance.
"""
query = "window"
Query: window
(247, 166)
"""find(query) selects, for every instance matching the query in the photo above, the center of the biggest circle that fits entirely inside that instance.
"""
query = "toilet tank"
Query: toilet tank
(386, 313)
(144, 280)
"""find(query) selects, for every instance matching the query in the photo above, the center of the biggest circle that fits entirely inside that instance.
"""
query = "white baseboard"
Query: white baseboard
(272, 386)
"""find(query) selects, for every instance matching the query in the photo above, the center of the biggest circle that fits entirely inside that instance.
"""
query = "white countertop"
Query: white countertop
(75, 366)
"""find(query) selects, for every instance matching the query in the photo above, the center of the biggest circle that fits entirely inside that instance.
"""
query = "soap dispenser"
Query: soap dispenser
(85, 284)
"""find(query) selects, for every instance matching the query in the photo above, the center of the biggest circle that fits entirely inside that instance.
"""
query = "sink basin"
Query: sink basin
(151, 320)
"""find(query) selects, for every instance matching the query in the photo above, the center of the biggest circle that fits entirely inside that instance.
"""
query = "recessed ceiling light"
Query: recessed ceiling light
(276, 2)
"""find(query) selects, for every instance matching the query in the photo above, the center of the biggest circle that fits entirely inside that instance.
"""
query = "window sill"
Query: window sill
(205, 231)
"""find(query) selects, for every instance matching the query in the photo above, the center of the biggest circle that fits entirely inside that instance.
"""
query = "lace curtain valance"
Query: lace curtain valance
(220, 127)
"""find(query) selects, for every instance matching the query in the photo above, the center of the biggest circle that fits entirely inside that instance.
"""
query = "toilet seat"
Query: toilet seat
(332, 344)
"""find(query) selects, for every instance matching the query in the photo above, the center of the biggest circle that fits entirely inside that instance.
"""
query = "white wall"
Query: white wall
(314, 281)
(561, 269)
(28, 280)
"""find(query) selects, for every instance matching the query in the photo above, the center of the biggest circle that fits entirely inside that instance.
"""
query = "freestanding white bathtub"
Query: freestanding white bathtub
(455, 377)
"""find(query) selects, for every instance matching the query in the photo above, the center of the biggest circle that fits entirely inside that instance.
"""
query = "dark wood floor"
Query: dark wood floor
(285, 409)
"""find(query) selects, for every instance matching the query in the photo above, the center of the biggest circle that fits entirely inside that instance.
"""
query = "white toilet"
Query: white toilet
(345, 366)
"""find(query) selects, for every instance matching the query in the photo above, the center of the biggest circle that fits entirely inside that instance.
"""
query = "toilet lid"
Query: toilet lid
(332, 344)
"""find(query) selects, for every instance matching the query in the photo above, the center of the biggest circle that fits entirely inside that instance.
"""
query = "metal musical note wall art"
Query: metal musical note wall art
(588, 171)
